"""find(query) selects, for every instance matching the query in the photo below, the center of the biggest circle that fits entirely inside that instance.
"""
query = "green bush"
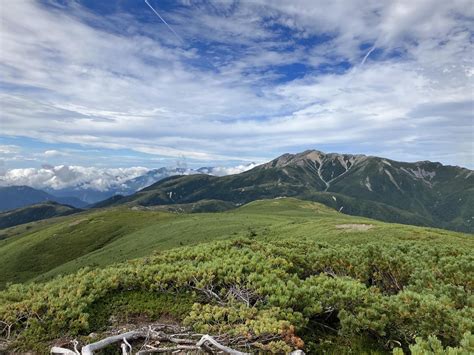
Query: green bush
(392, 292)
(433, 346)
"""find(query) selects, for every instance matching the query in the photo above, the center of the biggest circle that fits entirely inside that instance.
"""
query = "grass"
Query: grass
(97, 238)
(345, 290)
(49, 244)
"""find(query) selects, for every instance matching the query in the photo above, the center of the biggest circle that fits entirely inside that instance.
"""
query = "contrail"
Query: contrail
(355, 68)
(162, 19)
(367, 55)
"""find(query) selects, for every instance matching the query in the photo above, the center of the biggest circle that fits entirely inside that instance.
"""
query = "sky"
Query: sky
(125, 84)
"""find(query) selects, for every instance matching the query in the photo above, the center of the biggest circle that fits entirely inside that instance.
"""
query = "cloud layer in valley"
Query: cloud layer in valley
(247, 82)
(98, 179)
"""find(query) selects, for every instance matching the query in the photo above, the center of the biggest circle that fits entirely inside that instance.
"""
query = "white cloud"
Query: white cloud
(63, 176)
(91, 86)
(7, 149)
(53, 153)
(221, 171)
(100, 179)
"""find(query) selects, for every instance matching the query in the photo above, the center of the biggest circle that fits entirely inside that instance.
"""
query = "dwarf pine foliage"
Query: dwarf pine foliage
(283, 292)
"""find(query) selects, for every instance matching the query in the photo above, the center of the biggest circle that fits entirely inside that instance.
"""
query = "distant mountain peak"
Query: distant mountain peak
(314, 156)
(418, 193)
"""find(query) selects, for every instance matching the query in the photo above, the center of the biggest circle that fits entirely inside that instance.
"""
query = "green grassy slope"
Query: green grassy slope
(103, 237)
(35, 213)
(308, 271)
(30, 250)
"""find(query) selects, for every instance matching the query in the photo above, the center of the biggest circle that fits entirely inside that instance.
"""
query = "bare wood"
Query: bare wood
(89, 349)
(208, 339)
(59, 350)
(169, 349)
(182, 341)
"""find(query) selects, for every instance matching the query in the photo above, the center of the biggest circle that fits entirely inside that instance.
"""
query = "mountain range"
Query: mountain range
(35, 212)
(421, 193)
(85, 192)
(263, 229)
(13, 197)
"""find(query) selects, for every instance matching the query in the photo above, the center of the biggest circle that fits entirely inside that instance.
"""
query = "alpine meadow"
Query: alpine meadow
(236, 177)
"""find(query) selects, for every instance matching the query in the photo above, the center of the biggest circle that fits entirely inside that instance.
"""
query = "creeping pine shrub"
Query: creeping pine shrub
(433, 346)
(391, 291)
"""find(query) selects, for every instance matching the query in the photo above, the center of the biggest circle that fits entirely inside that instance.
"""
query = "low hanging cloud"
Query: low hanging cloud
(222, 171)
(99, 179)
(63, 176)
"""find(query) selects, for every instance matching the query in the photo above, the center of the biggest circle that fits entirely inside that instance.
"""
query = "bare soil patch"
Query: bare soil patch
(355, 227)
(77, 221)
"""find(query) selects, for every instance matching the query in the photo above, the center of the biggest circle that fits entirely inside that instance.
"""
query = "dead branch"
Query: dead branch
(126, 347)
(244, 295)
(209, 292)
(161, 338)
(89, 349)
(329, 271)
(168, 349)
(7, 327)
(59, 350)
(181, 341)
(208, 339)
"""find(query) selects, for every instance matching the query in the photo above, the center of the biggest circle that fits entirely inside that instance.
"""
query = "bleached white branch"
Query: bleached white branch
(89, 349)
(182, 342)
(126, 347)
(208, 339)
(59, 350)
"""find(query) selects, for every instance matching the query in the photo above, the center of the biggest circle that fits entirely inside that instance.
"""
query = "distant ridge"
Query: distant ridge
(421, 193)
(35, 213)
(12, 197)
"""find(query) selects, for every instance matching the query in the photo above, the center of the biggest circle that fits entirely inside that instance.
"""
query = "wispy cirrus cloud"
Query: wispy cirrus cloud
(250, 80)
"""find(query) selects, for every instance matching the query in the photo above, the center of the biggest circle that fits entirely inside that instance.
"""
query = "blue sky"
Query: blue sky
(107, 84)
